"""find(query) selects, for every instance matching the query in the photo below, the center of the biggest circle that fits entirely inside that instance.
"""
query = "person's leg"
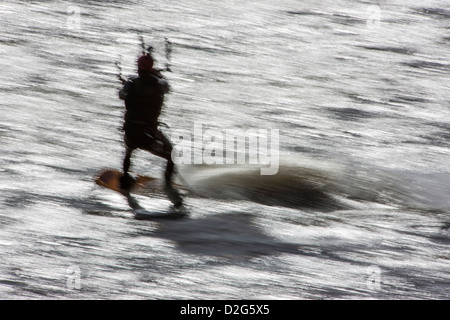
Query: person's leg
(170, 170)
(167, 154)
(127, 160)
(126, 181)
(160, 145)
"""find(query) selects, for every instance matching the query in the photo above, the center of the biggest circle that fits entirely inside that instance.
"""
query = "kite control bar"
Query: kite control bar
(149, 50)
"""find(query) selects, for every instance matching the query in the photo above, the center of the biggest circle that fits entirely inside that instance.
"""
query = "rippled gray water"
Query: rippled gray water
(359, 208)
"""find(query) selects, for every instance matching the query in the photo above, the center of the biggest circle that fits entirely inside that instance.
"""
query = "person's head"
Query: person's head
(145, 64)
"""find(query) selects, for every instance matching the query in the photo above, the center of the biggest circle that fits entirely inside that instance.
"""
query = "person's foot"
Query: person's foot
(173, 196)
(126, 182)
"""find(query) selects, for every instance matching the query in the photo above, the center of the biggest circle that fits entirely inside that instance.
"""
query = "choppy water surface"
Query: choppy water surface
(359, 208)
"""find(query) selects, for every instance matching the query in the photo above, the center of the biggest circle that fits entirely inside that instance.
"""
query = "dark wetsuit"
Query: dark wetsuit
(144, 98)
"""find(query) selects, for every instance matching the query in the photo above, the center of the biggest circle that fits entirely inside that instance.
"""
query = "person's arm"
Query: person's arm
(127, 87)
(163, 85)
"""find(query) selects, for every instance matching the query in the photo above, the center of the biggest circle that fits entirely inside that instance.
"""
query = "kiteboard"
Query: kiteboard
(110, 179)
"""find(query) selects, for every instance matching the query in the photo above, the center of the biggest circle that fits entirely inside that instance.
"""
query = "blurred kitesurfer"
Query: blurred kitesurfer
(144, 99)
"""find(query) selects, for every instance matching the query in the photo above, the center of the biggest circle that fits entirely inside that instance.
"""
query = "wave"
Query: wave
(324, 186)
(293, 186)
